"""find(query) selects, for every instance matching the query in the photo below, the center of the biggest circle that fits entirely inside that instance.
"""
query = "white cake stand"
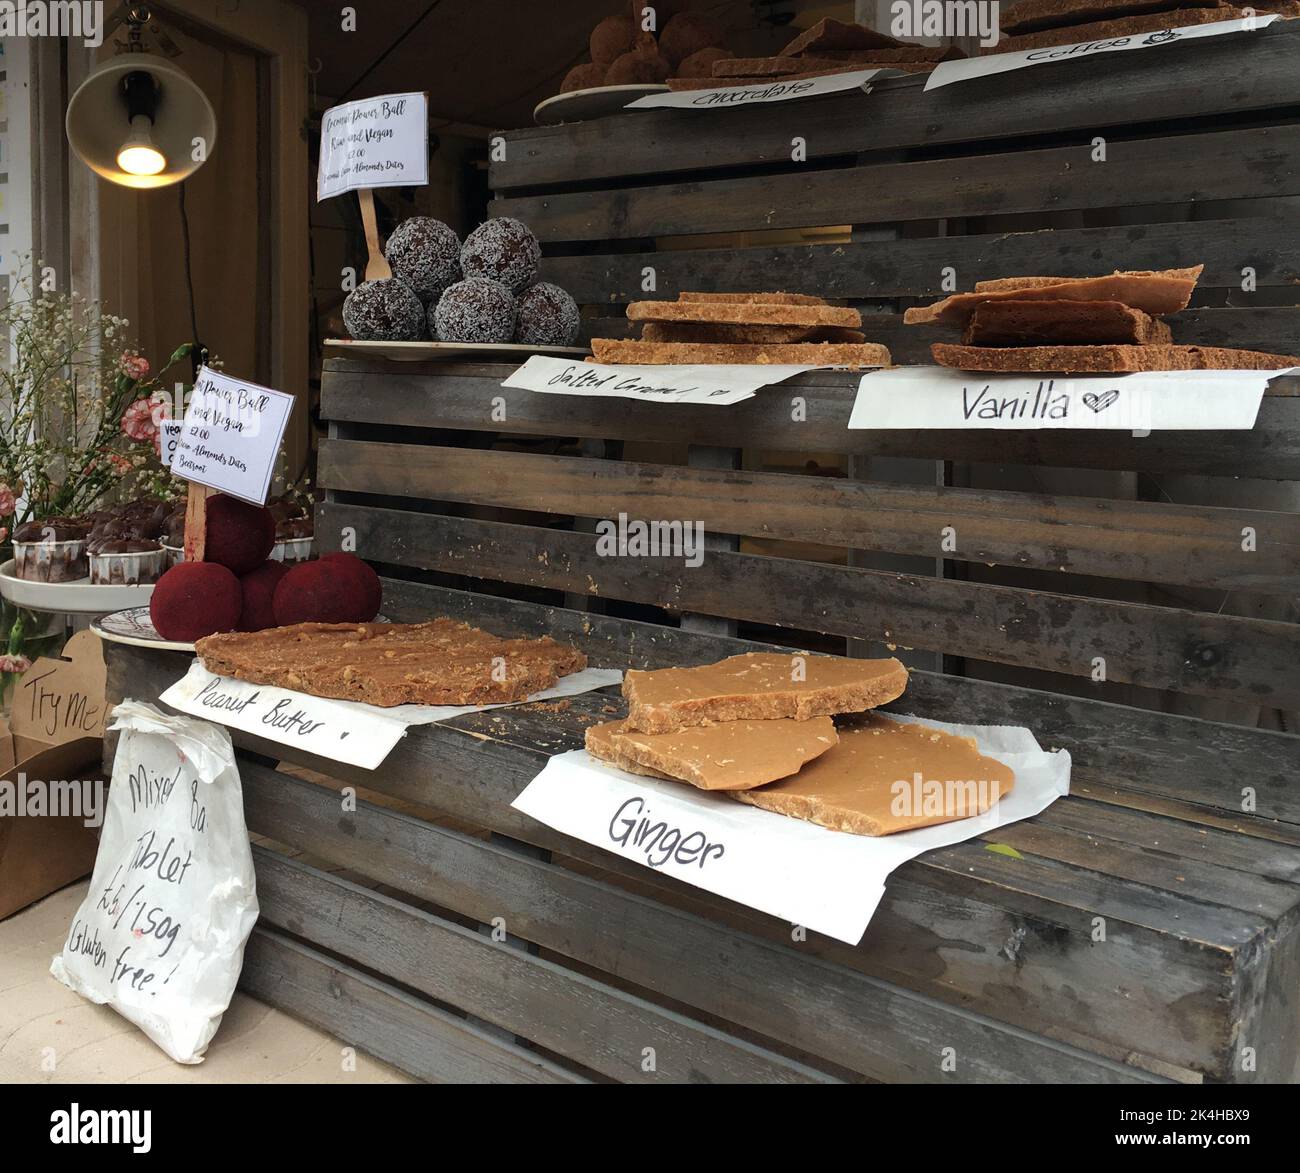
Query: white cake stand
(80, 597)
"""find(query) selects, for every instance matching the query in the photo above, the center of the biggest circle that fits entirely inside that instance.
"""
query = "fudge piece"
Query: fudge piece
(835, 34)
(885, 776)
(703, 332)
(1029, 16)
(1083, 360)
(731, 755)
(440, 662)
(758, 686)
(1105, 30)
(744, 298)
(822, 354)
(750, 313)
(1163, 292)
(1035, 323)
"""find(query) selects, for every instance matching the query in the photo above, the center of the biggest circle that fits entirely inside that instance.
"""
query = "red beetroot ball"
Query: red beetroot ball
(258, 589)
(365, 576)
(239, 535)
(316, 592)
(194, 599)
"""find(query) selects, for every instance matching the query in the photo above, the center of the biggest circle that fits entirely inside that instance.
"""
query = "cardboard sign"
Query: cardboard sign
(829, 881)
(915, 398)
(231, 435)
(58, 700)
(719, 385)
(774, 90)
(949, 72)
(375, 142)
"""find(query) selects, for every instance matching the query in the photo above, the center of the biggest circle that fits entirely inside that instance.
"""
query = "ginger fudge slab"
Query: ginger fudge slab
(732, 755)
(440, 662)
(758, 686)
(886, 776)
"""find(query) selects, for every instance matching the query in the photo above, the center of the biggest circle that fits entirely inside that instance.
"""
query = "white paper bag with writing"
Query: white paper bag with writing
(160, 936)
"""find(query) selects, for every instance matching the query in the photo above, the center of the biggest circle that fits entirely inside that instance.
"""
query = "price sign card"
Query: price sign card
(171, 435)
(720, 385)
(948, 72)
(231, 435)
(375, 142)
(915, 398)
(753, 95)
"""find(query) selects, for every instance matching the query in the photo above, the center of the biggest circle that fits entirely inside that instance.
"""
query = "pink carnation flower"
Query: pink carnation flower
(135, 366)
(10, 663)
(138, 421)
(8, 503)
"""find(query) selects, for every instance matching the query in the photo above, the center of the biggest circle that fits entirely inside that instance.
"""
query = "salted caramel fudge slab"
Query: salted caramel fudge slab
(635, 351)
(731, 755)
(887, 776)
(758, 686)
(750, 313)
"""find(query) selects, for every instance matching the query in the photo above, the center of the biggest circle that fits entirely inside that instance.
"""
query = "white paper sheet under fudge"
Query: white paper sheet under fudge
(828, 881)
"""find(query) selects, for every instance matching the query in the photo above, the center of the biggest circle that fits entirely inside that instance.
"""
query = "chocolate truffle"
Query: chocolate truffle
(700, 64)
(239, 536)
(583, 77)
(316, 592)
(364, 575)
(502, 250)
(384, 311)
(612, 38)
(644, 65)
(257, 590)
(475, 310)
(688, 33)
(548, 316)
(424, 253)
(194, 599)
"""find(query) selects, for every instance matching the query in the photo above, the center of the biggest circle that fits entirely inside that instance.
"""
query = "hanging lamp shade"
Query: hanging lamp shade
(140, 121)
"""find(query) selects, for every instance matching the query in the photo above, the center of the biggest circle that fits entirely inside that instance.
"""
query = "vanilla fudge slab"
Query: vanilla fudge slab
(1041, 323)
(1103, 359)
(885, 776)
(758, 686)
(732, 755)
(1154, 292)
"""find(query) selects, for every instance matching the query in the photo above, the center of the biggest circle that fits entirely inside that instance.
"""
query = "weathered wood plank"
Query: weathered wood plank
(1151, 542)
(1232, 75)
(823, 1009)
(1249, 163)
(915, 267)
(594, 1026)
(427, 395)
(383, 1020)
(1158, 647)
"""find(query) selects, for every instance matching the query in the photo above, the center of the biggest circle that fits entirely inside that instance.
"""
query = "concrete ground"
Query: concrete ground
(48, 1034)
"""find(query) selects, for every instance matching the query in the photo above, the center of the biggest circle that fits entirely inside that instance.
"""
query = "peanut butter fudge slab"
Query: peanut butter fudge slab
(731, 755)
(1039, 323)
(440, 662)
(1119, 360)
(886, 776)
(823, 354)
(758, 686)
(1153, 292)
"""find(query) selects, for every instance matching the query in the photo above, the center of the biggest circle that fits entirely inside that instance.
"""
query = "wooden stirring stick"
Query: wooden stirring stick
(377, 268)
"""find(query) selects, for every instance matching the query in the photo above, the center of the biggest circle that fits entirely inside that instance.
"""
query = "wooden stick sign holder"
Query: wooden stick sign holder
(196, 522)
(377, 267)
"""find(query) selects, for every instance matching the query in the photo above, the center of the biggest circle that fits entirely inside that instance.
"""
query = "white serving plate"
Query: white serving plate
(134, 627)
(80, 597)
(451, 351)
(597, 102)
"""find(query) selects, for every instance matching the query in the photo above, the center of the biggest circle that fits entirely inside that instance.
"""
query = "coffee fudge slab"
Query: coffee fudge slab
(743, 298)
(1039, 323)
(440, 662)
(758, 686)
(749, 313)
(1155, 293)
(699, 332)
(1104, 30)
(885, 776)
(836, 34)
(1028, 16)
(782, 67)
(1083, 360)
(903, 55)
(821, 354)
(731, 755)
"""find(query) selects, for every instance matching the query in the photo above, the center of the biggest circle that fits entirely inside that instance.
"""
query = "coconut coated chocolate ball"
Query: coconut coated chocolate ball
(425, 253)
(548, 316)
(387, 310)
(475, 310)
(503, 250)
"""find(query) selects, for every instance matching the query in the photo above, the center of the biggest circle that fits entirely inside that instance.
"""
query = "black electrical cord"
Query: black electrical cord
(378, 61)
(198, 356)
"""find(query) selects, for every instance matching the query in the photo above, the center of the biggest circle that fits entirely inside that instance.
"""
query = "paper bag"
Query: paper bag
(160, 936)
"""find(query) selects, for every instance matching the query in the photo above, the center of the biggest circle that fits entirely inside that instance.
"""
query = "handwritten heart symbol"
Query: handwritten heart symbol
(1100, 402)
(343, 735)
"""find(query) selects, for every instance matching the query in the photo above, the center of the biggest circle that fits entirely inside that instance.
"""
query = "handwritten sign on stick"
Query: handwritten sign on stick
(61, 700)
(375, 142)
(231, 435)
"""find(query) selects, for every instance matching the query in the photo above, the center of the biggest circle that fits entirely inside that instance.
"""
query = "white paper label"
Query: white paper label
(938, 397)
(720, 384)
(948, 72)
(376, 142)
(828, 881)
(346, 731)
(774, 90)
(171, 436)
(231, 435)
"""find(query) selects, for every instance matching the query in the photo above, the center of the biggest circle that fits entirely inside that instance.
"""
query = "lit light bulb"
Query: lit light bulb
(138, 155)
